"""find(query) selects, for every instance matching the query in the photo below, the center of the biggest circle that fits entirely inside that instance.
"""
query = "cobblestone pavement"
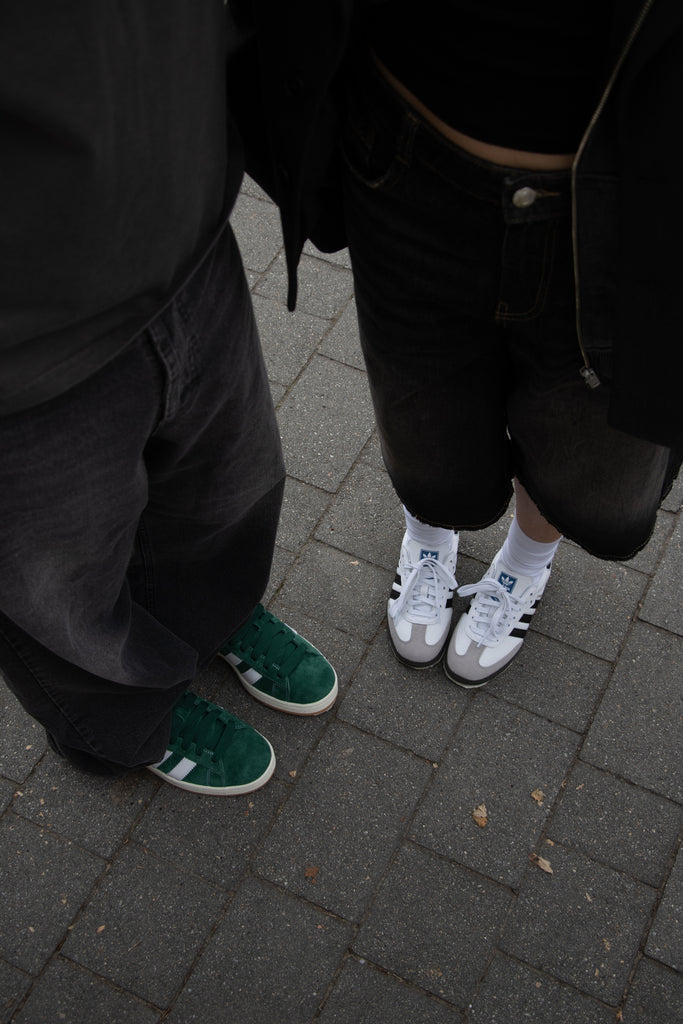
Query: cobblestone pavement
(356, 888)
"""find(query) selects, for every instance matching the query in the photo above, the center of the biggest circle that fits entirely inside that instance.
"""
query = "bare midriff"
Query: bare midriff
(521, 158)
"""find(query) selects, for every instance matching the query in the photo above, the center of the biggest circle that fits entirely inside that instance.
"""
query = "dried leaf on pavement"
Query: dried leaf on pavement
(541, 863)
(480, 815)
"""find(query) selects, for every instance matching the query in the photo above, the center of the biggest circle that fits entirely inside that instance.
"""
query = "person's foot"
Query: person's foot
(210, 751)
(490, 634)
(279, 668)
(420, 606)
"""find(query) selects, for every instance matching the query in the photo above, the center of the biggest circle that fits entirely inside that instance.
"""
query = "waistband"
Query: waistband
(525, 196)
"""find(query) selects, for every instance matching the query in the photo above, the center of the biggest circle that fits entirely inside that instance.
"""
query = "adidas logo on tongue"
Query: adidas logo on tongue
(434, 555)
(507, 581)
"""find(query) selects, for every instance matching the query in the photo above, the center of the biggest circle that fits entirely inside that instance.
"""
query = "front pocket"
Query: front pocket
(369, 148)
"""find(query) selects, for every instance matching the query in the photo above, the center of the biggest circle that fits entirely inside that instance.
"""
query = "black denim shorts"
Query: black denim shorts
(464, 288)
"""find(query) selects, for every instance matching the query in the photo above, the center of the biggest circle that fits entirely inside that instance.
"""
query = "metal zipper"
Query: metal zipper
(589, 375)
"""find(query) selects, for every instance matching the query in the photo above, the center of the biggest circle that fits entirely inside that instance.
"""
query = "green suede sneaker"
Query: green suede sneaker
(211, 751)
(279, 668)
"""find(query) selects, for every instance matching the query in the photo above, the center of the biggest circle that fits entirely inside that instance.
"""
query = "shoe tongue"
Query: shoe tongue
(507, 581)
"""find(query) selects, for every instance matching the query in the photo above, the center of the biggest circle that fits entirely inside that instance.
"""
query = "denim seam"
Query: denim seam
(542, 291)
(388, 178)
(147, 565)
(158, 340)
(190, 340)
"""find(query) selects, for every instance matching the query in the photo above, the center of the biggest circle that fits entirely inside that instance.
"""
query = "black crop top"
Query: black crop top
(525, 74)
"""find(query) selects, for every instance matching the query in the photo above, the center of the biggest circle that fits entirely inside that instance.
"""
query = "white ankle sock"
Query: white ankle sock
(428, 536)
(525, 556)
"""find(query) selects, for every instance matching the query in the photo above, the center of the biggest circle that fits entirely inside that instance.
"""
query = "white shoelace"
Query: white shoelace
(420, 593)
(493, 611)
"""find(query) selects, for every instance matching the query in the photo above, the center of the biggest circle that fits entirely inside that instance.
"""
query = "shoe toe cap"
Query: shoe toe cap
(468, 662)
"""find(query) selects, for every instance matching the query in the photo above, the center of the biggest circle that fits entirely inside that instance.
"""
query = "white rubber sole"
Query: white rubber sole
(193, 787)
(289, 707)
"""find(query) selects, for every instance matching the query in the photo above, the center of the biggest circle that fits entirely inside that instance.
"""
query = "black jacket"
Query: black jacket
(628, 200)
(116, 174)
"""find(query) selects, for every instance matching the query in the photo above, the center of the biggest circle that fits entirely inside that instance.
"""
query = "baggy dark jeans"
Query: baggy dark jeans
(139, 513)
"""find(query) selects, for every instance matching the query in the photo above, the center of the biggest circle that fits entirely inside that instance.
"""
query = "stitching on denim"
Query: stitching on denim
(157, 340)
(374, 183)
(502, 314)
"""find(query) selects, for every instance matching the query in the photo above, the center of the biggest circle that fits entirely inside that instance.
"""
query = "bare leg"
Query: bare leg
(530, 520)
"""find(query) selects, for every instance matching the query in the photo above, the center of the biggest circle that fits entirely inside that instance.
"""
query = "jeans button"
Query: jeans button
(524, 197)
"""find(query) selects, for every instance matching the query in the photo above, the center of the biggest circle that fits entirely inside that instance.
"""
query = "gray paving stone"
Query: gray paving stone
(257, 229)
(282, 562)
(499, 757)
(483, 545)
(324, 289)
(50, 879)
(554, 680)
(7, 791)
(415, 710)
(68, 993)
(333, 840)
(340, 258)
(610, 820)
(270, 960)
(321, 440)
(366, 518)
(250, 188)
(582, 924)
(351, 592)
(434, 924)
(656, 996)
(636, 732)
(364, 995)
(252, 278)
(663, 604)
(278, 392)
(513, 993)
(288, 339)
(674, 500)
(22, 742)
(588, 603)
(293, 737)
(302, 508)
(95, 812)
(665, 941)
(209, 836)
(145, 925)
(343, 341)
(13, 986)
(372, 453)
(648, 559)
